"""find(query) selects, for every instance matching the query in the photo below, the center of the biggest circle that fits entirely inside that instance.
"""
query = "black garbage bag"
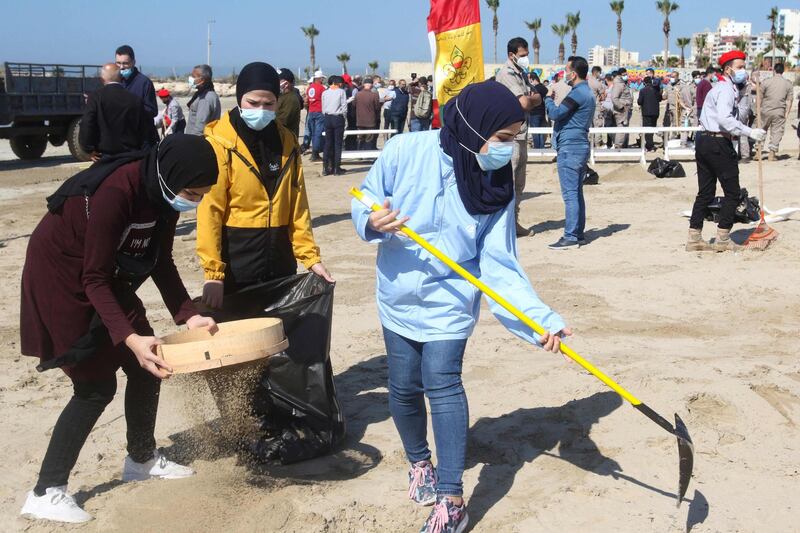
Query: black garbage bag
(296, 402)
(590, 177)
(747, 211)
(661, 168)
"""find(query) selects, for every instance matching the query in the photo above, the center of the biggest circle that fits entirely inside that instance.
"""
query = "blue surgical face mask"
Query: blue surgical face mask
(126, 72)
(739, 76)
(192, 84)
(697, 81)
(257, 119)
(624, 77)
(498, 155)
(178, 203)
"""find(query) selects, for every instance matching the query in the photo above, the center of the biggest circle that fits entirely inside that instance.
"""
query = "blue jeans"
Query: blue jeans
(419, 124)
(317, 124)
(432, 369)
(572, 159)
(537, 121)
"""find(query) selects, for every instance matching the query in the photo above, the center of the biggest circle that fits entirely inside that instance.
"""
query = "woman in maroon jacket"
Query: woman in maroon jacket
(107, 230)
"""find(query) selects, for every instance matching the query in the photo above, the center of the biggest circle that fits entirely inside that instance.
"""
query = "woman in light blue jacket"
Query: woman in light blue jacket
(455, 188)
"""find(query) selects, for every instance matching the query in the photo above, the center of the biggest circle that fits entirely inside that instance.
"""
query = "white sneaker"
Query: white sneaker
(55, 505)
(159, 466)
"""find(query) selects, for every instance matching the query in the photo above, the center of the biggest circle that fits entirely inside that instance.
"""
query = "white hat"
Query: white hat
(319, 74)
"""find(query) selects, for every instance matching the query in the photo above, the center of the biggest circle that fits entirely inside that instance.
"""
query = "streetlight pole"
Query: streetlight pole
(208, 54)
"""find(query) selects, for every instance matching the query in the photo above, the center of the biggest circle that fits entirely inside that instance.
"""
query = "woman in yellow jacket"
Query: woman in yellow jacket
(255, 224)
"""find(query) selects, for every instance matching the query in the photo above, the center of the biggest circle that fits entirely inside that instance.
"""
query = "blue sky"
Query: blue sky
(168, 34)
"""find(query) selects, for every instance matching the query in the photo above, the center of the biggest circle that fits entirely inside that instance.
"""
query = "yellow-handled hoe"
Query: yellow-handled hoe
(685, 446)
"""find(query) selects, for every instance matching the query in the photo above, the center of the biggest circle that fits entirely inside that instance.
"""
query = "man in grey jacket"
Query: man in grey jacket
(204, 106)
(622, 100)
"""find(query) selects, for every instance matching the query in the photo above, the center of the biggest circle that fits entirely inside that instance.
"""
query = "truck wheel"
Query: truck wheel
(56, 139)
(72, 141)
(29, 146)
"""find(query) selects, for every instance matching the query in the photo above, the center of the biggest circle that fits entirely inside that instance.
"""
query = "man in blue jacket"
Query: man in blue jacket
(571, 122)
(134, 81)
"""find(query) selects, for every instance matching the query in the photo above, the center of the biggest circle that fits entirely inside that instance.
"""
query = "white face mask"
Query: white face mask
(523, 62)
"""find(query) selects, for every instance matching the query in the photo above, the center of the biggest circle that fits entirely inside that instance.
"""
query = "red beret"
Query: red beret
(730, 56)
(163, 93)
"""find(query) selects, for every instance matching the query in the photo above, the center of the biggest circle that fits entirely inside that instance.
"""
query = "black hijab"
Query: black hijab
(265, 145)
(487, 107)
(185, 161)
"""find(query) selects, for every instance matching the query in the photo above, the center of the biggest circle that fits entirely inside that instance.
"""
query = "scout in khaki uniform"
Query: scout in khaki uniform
(776, 104)
(514, 76)
(689, 103)
(598, 87)
(623, 102)
(675, 110)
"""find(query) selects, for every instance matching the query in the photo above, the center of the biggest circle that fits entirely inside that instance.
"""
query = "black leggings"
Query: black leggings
(85, 407)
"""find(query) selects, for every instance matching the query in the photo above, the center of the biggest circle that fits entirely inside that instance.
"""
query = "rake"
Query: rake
(764, 234)
(685, 445)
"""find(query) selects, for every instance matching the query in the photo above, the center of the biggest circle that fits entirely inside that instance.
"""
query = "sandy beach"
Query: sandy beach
(712, 337)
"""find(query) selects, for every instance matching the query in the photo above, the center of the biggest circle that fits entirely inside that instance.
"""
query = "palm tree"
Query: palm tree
(535, 26)
(311, 32)
(741, 43)
(573, 19)
(493, 5)
(700, 42)
(343, 58)
(373, 66)
(682, 43)
(784, 44)
(617, 8)
(561, 30)
(773, 19)
(666, 7)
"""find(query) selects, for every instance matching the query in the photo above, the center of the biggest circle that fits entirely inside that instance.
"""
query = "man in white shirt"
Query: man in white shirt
(334, 109)
(716, 158)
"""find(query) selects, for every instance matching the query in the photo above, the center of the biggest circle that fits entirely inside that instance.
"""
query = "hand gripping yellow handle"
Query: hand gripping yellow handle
(566, 350)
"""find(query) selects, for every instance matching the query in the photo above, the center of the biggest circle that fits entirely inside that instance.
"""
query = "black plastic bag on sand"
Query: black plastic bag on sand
(747, 210)
(296, 402)
(666, 169)
(590, 177)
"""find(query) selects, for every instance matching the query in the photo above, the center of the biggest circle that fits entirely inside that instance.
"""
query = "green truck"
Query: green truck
(44, 103)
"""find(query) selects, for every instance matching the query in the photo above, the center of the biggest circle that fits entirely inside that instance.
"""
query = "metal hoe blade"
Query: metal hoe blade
(686, 456)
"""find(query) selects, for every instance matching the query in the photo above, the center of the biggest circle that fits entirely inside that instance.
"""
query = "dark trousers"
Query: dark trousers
(84, 409)
(399, 122)
(387, 118)
(609, 122)
(537, 121)
(368, 142)
(649, 121)
(334, 139)
(351, 141)
(716, 161)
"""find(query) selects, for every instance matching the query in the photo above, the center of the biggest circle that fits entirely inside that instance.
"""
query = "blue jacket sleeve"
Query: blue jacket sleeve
(501, 271)
(559, 112)
(378, 185)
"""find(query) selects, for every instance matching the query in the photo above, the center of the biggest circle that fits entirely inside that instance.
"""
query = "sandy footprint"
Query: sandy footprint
(780, 399)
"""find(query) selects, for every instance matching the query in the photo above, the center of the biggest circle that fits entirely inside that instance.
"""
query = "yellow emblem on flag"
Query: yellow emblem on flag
(459, 60)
